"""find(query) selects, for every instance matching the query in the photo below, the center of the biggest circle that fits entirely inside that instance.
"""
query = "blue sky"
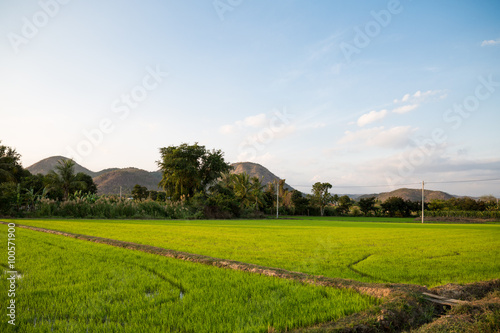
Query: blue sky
(348, 92)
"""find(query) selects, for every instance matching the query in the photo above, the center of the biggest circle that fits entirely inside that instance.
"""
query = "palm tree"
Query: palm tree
(241, 186)
(256, 192)
(64, 177)
(247, 190)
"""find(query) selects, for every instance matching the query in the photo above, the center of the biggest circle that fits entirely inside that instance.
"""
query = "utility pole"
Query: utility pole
(277, 197)
(423, 201)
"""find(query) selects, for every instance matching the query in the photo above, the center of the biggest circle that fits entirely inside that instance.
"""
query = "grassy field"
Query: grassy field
(429, 254)
(68, 285)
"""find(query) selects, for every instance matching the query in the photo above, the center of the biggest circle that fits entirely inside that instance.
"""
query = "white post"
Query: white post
(277, 197)
(423, 201)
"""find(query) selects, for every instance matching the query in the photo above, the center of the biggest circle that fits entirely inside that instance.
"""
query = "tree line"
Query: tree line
(20, 190)
(196, 183)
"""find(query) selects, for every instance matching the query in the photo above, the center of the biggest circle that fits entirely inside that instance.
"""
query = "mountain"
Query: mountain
(111, 181)
(256, 170)
(46, 165)
(411, 194)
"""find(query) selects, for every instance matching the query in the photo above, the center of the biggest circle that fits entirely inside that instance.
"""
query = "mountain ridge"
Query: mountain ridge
(122, 180)
(411, 194)
(116, 180)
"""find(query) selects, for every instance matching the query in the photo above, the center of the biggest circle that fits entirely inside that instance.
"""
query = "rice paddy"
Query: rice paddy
(69, 285)
(428, 254)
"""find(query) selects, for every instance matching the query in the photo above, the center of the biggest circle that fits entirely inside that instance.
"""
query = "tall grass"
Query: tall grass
(110, 208)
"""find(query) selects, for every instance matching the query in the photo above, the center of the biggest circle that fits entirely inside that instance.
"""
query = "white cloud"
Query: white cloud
(228, 129)
(371, 117)
(420, 96)
(395, 137)
(490, 42)
(259, 120)
(316, 178)
(405, 108)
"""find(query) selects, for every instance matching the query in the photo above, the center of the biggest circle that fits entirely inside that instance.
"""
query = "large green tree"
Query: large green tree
(320, 196)
(188, 169)
(367, 205)
(344, 204)
(396, 206)
(140, 192)
(89, 188)
(300, 202)
(11, 173)
(10, 165)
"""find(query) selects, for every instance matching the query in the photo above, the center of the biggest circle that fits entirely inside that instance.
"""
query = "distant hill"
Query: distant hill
(411, 194)
(256, 170)
(46, 165)
(110, 182)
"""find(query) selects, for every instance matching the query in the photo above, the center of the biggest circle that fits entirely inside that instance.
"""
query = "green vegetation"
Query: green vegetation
(320, 196)
(21, 192)
(197, 184)
(493, 214)
(190, 169)
(428, 254)
(71, 285)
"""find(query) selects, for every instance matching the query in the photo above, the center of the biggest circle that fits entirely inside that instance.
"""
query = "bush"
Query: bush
(464, 213)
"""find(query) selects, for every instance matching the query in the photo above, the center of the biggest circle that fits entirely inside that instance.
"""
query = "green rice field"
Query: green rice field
(424, 254)
(69, 285)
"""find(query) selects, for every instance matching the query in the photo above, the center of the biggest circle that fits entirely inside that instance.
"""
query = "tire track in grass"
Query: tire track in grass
(357, 271)
(350, 266)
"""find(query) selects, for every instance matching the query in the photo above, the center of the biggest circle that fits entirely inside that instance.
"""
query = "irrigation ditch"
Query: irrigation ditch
(472, 307)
